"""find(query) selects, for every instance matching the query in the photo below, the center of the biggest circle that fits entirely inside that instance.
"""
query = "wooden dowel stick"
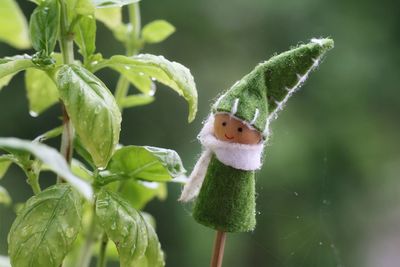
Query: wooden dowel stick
(219, 246)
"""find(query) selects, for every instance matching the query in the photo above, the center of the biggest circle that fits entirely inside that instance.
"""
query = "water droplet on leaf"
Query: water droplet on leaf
(69, 232)
(33, 114)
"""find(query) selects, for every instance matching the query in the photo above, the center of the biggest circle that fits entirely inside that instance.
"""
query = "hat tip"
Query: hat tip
(325, 43)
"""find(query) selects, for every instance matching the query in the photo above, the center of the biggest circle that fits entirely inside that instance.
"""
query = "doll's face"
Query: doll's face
(229, 129)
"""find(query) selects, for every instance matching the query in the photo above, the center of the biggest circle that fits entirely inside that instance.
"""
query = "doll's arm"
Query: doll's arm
(196, 178)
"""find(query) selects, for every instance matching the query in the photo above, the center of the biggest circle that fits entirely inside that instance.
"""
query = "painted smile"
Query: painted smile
(229, 138)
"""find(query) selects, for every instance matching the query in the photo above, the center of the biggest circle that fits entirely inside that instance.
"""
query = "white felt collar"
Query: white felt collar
(239, 156)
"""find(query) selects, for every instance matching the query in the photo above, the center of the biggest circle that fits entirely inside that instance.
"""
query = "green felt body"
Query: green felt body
(226, 201)
(269, 83)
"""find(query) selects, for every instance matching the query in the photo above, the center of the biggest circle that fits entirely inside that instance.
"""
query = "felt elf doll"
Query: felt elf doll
(234, 135)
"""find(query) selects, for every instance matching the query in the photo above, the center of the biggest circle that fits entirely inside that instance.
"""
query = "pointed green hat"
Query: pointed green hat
(258, 96)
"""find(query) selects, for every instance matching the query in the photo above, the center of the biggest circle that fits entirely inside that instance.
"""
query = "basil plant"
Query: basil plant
(94, 207)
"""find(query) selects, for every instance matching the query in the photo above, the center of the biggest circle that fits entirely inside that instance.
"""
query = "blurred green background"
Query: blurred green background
(329, 191)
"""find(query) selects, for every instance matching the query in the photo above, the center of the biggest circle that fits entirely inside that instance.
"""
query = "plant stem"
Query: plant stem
(132, 48)
(67, 50)
(135, 21)
(16, 65)
(103, 247)
(66, 38)
(33, 181)
(218, 252)
(121, 91)
(86, 252)
(67, 136)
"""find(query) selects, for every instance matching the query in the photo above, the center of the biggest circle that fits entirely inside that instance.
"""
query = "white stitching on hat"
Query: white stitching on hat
(235, 106)
(255, 116)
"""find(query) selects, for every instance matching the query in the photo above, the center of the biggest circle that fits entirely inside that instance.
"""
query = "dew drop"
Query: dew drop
(129, 27)
(25, 231)
(69, 232)
(153, 90)
(141, 73)
(33, 113)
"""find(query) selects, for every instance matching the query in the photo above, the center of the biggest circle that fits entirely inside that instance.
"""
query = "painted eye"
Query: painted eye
(240, 129)
(224, 123)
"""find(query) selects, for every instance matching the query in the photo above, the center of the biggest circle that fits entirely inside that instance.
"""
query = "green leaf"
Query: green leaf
(154, 255)
(149, 219)
(136, 100)
(123, 225)
(5, 261)
(170, 73)
(6, 80)
(83, 152)
(77, 8)
(142, 82)
(49, 134)
(111, 17)
(41, 91)
(4, 196)
(111, 252)
(147, 163)
(73, 258)
(80, 170)
(14, 30)
(83, 7)
(113, 3)
(139, 193)
(93, 111)
(134, 237)
(85, 36)
(74, 255)
(44, 230)
(51, 158)
(10, 66)
(121, 33)
(157, 31)
(5, 163)
(43, 26)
